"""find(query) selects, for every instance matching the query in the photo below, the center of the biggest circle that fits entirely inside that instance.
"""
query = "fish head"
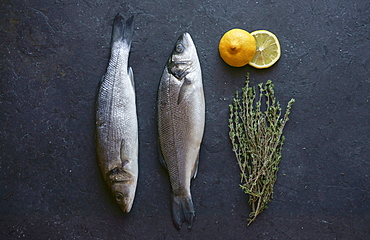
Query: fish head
(124, 194)
(183, 57)
(123, 186)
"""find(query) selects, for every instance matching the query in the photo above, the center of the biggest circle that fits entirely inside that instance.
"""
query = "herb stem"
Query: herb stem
(257, 141)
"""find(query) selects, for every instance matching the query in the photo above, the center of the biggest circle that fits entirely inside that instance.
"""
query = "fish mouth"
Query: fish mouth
(179, 69)
(126, 208)
(125, 201)
(173, 63)
(185, 37)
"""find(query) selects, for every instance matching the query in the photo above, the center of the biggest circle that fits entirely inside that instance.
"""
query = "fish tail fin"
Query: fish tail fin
(123, 31)
(182, 210)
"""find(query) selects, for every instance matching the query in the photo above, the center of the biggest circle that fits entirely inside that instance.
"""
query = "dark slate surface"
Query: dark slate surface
(53, 54)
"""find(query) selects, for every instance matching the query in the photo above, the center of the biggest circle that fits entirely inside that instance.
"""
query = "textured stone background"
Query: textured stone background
(53, 54)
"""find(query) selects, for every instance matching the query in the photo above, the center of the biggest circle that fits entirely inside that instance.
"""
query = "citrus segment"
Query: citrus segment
(268, 49)
(237, 47)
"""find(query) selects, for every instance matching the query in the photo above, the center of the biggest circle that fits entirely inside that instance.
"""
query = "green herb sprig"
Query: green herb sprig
(257, 142)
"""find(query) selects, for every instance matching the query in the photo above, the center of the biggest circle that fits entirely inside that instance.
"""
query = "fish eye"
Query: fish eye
(119, 197)
(179, 48)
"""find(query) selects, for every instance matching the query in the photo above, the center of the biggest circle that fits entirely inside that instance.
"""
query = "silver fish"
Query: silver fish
(116, 119)
(181, 117)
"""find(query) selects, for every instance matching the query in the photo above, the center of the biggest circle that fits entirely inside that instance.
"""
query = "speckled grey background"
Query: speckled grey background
(53, 54)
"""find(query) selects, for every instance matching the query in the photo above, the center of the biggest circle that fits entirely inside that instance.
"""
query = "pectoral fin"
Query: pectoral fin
(184, 90)
(125, 159)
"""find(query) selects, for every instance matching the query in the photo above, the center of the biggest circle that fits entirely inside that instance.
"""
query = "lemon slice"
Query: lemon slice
(268, 49)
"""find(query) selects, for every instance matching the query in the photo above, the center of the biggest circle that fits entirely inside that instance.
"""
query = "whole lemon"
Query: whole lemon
(237, 47)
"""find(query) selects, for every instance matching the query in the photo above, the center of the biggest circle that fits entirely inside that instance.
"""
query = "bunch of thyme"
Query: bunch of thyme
(257, 141)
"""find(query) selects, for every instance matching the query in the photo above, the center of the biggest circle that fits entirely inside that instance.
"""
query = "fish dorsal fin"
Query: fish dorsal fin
(184, 90)
(131, 76)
